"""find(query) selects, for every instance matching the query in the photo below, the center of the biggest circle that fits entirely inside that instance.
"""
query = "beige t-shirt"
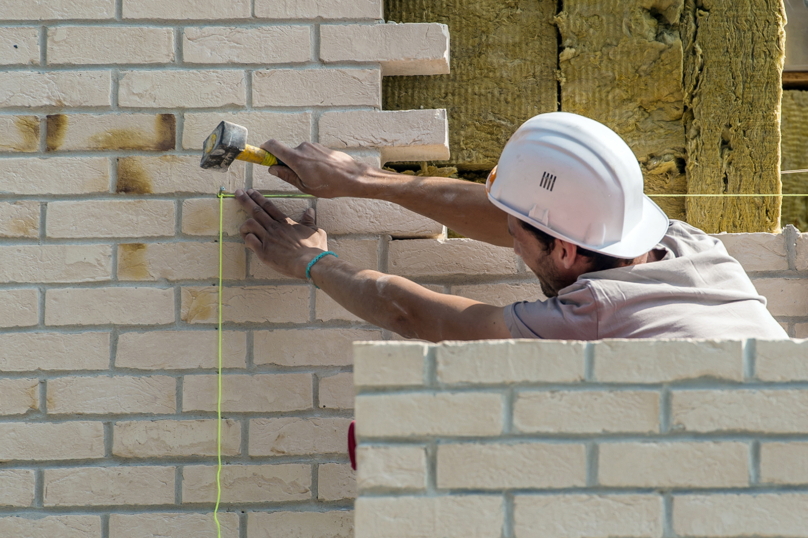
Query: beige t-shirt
(696, 290)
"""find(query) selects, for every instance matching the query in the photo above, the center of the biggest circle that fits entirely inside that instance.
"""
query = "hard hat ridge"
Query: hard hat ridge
(577, 180)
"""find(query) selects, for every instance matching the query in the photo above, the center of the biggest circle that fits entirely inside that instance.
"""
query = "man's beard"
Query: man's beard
(550, 280)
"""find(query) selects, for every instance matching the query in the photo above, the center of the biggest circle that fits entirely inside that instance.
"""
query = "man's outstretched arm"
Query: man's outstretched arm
(390, 302)
(461, 205)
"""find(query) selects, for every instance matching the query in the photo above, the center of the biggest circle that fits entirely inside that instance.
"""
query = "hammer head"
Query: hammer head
(223, 145)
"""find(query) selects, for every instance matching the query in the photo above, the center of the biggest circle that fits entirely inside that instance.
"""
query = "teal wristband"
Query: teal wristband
(317, 258)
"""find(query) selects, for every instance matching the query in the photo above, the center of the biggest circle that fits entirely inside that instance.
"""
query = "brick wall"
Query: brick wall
(567, 439)
(108, 261)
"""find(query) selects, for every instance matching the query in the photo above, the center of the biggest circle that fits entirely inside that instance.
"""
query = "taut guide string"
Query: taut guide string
(222, 195)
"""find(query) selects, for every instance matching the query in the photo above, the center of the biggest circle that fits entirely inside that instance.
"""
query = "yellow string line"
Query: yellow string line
(222, 195)
(219, 377)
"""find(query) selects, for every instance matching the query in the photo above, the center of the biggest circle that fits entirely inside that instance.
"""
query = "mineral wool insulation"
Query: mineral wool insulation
(693, 86)
(621, 64)
(503, 61)
(794, 146)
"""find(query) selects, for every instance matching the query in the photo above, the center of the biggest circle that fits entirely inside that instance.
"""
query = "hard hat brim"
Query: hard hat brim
(643, 238)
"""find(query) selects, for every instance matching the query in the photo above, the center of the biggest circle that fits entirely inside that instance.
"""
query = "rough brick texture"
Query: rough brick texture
(621, 438)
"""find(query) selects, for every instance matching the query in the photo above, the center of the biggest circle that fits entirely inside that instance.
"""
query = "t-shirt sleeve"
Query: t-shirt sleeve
(570, 316)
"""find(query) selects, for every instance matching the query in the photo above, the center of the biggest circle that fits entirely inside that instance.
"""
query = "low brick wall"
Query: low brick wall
(642, 438)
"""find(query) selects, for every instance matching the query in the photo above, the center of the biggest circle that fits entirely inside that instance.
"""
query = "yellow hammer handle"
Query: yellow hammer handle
(252, 154)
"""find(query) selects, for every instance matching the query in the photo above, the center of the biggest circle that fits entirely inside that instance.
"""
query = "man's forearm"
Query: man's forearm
(460, 205)
(404, 307)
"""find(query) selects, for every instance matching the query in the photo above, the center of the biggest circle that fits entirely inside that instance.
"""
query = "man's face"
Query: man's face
(539, 260)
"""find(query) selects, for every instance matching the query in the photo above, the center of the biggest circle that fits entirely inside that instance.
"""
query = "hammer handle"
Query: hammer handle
(252, 154)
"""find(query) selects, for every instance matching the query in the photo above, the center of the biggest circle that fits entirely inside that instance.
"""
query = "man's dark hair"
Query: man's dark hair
(600, 262)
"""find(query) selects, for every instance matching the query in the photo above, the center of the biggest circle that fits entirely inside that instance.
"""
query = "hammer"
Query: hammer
(227, 143)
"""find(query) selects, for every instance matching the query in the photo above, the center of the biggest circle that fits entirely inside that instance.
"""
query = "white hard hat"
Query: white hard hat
(577, 180)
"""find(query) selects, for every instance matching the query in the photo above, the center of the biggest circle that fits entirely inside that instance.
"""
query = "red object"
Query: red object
(352, 444)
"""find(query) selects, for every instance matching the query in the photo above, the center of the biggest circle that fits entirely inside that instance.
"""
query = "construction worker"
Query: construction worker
(567, 196)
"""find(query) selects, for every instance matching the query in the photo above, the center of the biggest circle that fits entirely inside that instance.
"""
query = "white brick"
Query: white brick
(29, 352)
(521, 465)
(58, 9)
(63, 526)
(587, 412)
(673, 465)
(180, 350)
(110, 45)
(389, 364)
(201, 216)
(148, 132)
(509, 361)
(784, 463)
(36, 176)
(361, 216)
(785, 296)
(174, 438)
(175, 173)
(19, 133)
(335, 482)
(186, 9)
(780, 514)
(781, 360)
(247, 483)
(112, 395)
(257, 393)
(337, 392)
(19, 308)
(501, 294)
(291, 129)
(273, 304)
(55, 88)
(428, 257)
(180, 261)
(103, 306)
(19, 396)
(391, 467)
(182, 89)
(317, 87)
(291, 436)
(102, 486)
(664, 361)
(19, 219)
(311, 9)
(770, 411)
(362, 253)
(37, 441)
(402, 49)
(757, 251)
(262, 45)
(336, 524)
(20, 46)
(801, 261)
(172, 525)
(451, 414)
(111, 218)
(587, 516)
(308, 347)
(466, 516)
(402, 135)
(18, 488)
(55, 263)
(327, 309)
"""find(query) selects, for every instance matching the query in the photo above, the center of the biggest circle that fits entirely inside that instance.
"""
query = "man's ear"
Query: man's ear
(565, 253)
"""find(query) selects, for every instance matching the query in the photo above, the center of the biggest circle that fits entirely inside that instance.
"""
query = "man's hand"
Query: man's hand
(277, 240)
(317, 170)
